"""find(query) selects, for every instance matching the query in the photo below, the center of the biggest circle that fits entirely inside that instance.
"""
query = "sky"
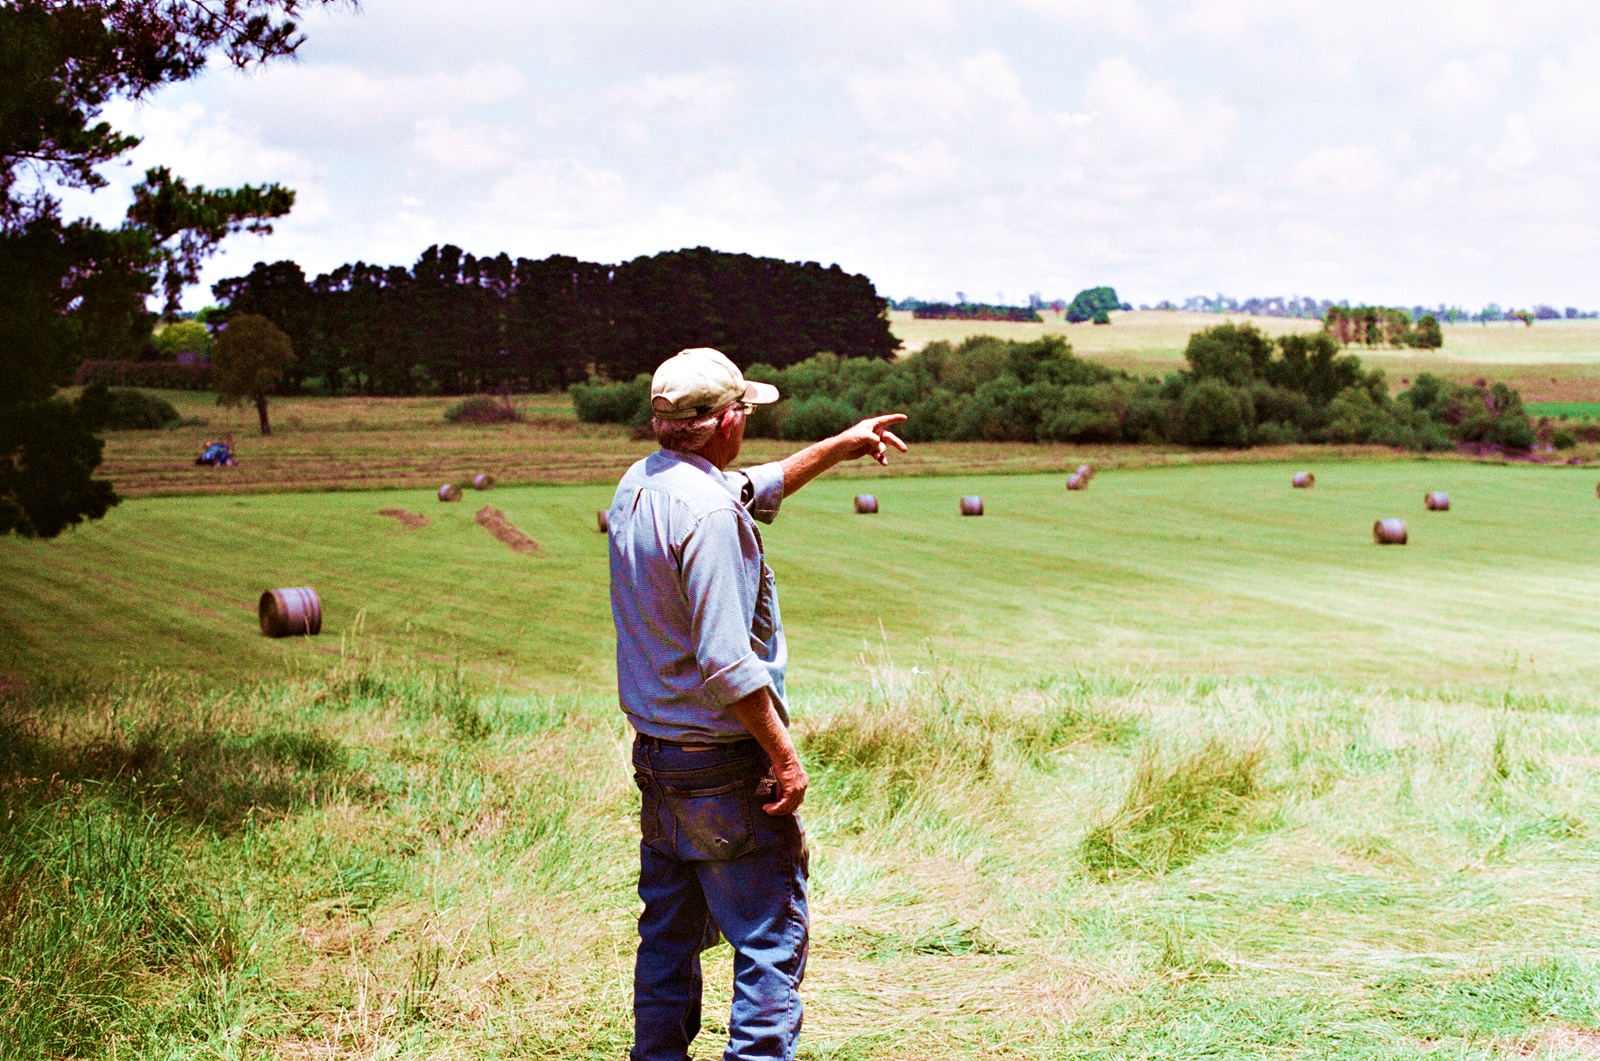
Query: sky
(1386, 151)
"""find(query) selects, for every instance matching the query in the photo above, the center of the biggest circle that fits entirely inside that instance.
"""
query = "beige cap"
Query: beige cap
(701, 380)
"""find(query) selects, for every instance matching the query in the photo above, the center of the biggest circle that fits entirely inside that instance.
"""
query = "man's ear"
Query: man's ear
(727, 421)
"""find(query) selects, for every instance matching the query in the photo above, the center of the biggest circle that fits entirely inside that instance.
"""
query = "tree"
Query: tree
(248, 361)
(182, 337)
(71, 290)
(1428, 335)
(1091, 301)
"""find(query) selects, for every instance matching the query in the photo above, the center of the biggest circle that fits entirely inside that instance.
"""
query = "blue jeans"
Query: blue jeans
(711, 859)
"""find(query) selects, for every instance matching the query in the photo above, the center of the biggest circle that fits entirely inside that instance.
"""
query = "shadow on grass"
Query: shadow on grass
(170, 746)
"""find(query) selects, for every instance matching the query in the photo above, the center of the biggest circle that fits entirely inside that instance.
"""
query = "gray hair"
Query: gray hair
(686, 436)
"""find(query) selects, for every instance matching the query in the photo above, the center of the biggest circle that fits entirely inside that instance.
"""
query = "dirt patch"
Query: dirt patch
(494, 521)
(1558, 1042)
(411, 519)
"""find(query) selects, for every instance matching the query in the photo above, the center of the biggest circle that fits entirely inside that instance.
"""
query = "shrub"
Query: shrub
(1176, 809)
(816, 418)
(612, 403)
(1563, 439)
(1212, 414)
(156, 375)
(134, 410)
(483, 409)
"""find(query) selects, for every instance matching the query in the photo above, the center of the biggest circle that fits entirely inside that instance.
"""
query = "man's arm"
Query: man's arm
(871, 437)
(756, 713)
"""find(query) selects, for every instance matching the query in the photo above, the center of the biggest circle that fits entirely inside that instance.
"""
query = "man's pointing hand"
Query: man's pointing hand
(872, 438)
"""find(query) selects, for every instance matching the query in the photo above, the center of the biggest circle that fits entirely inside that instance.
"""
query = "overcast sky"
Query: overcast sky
(1395, 151)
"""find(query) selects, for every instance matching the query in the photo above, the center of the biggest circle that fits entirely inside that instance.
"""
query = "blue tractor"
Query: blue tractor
(217, 455)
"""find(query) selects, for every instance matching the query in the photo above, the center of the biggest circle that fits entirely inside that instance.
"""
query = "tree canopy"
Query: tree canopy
(248, 361)
(74, 289)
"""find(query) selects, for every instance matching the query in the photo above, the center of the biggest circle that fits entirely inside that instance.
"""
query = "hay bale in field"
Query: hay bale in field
(1304, 480)
(494, 521)
(972, 506)
(482, 481)
(1077, 481)
(411, 519)
(449, 492)
(1436, 501)
(602, 520)
(1389, 532)
(866, 504)
(290, 612)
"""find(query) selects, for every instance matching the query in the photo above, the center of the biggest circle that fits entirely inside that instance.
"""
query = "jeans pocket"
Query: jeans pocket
(714, 822)
(649, 809)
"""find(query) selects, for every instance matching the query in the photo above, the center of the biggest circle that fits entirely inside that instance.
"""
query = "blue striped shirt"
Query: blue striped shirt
(695, 605)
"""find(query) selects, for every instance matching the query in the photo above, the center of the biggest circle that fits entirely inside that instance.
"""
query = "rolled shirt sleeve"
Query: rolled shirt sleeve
(714, 565)
(766, 490)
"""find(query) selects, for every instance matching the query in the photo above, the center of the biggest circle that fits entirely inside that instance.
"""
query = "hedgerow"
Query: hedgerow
(1240, 388)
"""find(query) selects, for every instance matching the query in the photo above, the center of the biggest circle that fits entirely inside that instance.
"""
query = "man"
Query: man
(700, 663)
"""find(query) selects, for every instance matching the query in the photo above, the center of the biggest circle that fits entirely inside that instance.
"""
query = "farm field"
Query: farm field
(1551, 361)
(1181, 766)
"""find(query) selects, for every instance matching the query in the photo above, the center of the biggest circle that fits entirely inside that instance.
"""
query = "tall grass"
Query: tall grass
(1177, 807)
(393, 858)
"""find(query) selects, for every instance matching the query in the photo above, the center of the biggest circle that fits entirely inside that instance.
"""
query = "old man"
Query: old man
(700, 665)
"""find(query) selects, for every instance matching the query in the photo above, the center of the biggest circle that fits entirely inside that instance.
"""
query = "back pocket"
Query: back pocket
(713, 823)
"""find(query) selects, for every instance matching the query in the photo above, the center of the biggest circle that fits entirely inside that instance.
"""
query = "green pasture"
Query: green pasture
(1217, 570)
(1182, 766)
(1568, 410)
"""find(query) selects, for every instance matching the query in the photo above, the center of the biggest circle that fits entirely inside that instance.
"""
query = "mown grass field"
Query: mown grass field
(1217, 569)
(371, 443)
(1180, 766)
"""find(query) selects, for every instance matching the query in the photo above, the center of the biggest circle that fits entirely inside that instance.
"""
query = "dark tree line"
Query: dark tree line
(454, 323)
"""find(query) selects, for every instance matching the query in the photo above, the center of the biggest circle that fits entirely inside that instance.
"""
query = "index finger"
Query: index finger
(878, 423)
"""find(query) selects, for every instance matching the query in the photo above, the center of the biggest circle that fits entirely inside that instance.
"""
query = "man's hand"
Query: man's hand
(756, 714)
(872, 438)
(791, 787)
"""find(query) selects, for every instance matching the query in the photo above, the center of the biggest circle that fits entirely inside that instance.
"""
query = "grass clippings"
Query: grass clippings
(494, 521)
(412, 520)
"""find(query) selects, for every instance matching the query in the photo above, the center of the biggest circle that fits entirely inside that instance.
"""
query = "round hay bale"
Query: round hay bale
(1436, 501)
(290, 612)
(866, 505)
(1304, 480)
(602, 521)
(972, 506)
(482, 481)
(449, 492)
(1389, 532)
(1077, 481)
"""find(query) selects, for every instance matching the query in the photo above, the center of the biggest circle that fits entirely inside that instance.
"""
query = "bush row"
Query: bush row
(1240, 388)
(161, 375)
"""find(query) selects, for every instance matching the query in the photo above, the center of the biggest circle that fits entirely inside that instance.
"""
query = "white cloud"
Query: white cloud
(1135, 126)
(685, 98)
(1467, 84)
(1351, 170)
(1123, 17)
